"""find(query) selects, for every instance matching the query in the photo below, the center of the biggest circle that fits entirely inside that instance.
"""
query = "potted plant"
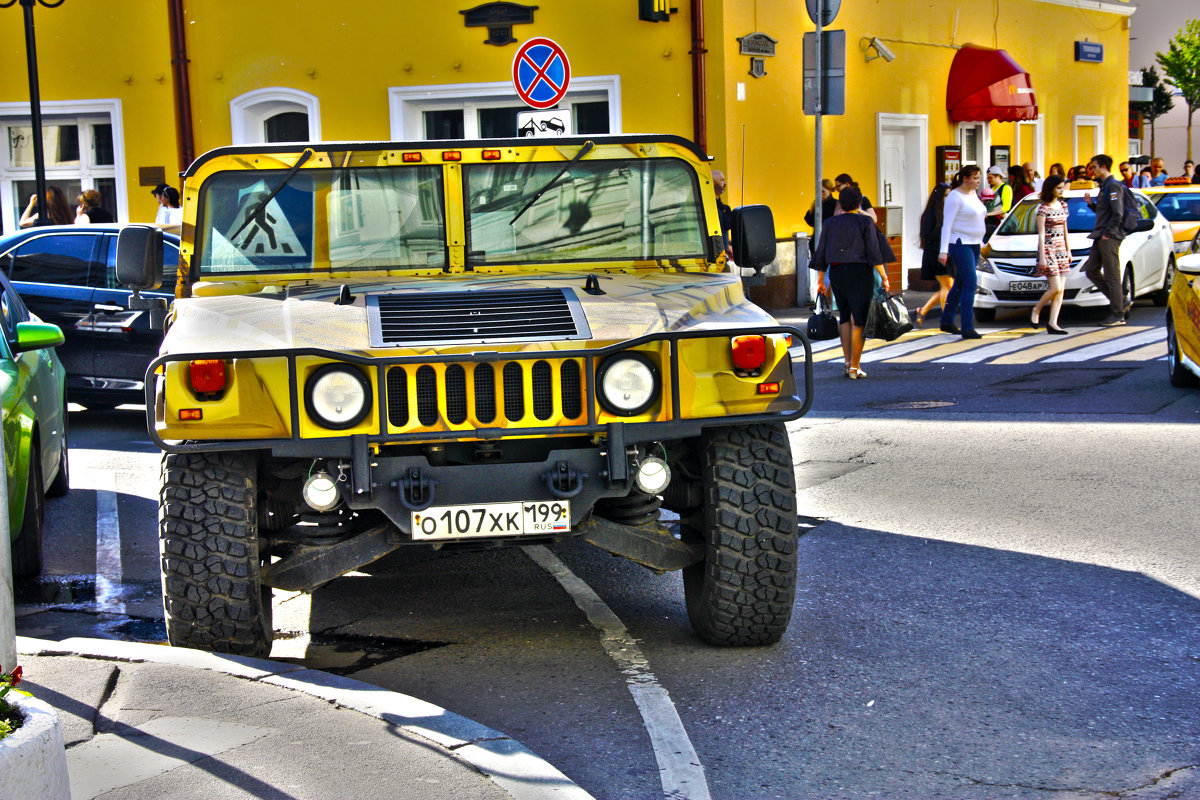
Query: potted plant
(33, 760)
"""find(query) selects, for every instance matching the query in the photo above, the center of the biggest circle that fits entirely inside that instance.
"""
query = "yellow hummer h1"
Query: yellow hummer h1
(381, 345)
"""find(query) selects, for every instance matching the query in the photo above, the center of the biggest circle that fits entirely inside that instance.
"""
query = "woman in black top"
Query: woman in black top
(931, 238)
(849, 249)
(88, 210)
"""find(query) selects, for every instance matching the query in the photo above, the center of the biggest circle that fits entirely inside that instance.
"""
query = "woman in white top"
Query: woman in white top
(962, 234)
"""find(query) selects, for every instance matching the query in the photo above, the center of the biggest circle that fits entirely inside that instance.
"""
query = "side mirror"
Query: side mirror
(1145, 225)
(140, 257)
(1189, 264)
(37, 336)
(753, 236)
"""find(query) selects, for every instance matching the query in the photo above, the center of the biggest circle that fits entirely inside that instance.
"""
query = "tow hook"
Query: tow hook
(563, 480)
(416, 489)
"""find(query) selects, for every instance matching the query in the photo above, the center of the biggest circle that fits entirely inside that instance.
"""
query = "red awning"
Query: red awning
(987, 84)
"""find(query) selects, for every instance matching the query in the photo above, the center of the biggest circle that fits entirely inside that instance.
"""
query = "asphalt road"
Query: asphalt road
(999, 595)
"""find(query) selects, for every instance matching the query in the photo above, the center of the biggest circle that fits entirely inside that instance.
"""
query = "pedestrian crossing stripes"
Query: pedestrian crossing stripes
(1020, 345)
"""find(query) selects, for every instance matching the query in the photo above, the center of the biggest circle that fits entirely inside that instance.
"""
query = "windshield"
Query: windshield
(350, 219)
(596, 211)
(1179, 207)
(1080, 217)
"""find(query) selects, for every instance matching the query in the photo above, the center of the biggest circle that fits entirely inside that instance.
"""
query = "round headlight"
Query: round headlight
(628, 384)
(338, 396)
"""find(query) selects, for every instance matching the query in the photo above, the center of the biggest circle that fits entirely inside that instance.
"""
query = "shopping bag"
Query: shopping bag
(822, 324)
(887, 318)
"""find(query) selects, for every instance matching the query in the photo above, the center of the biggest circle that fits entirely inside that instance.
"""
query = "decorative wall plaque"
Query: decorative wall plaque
(498, 18)
(757, 44)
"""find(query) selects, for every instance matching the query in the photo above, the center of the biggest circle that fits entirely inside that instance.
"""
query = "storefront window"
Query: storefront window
(60, 145)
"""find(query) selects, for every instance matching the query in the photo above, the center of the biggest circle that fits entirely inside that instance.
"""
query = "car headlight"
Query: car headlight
(337, 396)
(983, 265)
(628, 384)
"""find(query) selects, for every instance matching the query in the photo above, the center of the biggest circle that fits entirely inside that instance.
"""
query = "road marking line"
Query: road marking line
(910, 340)
(1110, 347)
(1069, 342)
(899, 348)
(1151, 352)
(679, 767)
(108, 549)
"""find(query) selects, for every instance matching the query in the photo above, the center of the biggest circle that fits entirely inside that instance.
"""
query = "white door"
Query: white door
(901, 189)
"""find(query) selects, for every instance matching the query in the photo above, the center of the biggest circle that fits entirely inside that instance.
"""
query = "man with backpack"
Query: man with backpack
(1112, 204)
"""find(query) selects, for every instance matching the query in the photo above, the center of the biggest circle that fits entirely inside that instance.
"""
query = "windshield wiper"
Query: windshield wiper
(583, 151)
(261, 208)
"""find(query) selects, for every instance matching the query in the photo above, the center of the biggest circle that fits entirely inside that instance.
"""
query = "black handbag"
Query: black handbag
(822, 324)
(887, 318)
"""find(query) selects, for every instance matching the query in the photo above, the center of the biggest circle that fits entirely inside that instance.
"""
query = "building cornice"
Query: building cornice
(1123, 9)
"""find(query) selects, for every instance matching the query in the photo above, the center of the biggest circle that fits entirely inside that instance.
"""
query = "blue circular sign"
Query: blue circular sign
(541, 73)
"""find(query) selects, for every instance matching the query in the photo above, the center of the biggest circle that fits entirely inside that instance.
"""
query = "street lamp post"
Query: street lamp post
(35, 101)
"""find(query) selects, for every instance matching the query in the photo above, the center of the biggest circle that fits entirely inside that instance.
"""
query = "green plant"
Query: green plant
(1181, 63)
(10, 715)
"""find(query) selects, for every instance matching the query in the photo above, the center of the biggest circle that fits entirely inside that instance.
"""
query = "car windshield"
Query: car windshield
(1023, 219)
(596, 211)
(341, 219)
(1179, 206)
(393, 218)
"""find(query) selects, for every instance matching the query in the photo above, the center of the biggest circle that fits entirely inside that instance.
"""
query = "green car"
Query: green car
(33, 385)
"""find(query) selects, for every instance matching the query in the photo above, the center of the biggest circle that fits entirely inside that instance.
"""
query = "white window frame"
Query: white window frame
(1038, 155)
(408, 104)
(248, 113)
(984, 146)
(1097, 124)
(53, 112)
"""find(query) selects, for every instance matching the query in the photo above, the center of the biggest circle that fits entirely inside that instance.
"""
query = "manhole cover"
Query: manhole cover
(909, 405)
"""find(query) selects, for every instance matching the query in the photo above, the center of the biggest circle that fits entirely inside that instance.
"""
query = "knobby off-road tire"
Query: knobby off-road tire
(211, 555)
(743, 591)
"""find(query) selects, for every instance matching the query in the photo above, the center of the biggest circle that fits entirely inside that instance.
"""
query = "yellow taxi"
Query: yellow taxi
(1180, 204)
(1183, 323)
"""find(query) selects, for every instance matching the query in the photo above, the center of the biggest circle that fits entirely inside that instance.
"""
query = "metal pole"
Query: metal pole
(35, 112)
(817, 138)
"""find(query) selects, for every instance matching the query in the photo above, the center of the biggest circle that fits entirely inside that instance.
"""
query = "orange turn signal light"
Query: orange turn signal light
(411, 158)
(451, 155)
(491, 155)
(191, 414)
(768, 388)
(207, 375)
(749, 352)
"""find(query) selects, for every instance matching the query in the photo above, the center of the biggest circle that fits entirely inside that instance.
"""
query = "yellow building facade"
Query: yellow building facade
(132, 90)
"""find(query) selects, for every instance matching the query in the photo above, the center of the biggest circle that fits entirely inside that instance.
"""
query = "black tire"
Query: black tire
(743, 592)
(1162, 295)
(27, 547)
(985, 314)
(1127, 287)
(211, 554)
(1180, 375)
(62, 481)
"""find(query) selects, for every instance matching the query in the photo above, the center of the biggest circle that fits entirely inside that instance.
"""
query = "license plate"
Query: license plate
(1029, 286)
(491, 519)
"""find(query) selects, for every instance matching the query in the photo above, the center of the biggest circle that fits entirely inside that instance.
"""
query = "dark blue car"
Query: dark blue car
(66, 274)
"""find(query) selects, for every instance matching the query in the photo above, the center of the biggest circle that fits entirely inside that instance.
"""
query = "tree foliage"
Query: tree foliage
(1181, 65)
(1164, 99)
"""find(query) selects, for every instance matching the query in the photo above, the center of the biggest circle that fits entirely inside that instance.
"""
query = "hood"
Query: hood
(306, 315)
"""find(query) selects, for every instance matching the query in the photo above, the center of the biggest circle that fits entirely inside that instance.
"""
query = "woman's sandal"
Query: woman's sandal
(920, 320)
(856, 373)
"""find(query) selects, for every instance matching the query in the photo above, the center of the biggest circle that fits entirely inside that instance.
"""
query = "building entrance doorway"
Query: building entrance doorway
(903, 158)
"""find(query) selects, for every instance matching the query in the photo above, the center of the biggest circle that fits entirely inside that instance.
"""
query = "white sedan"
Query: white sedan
(1008, 262)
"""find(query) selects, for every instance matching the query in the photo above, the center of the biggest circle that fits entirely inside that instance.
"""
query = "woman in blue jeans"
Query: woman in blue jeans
(962, 234)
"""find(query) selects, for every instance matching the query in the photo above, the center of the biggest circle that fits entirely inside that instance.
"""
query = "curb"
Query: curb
(505, 761)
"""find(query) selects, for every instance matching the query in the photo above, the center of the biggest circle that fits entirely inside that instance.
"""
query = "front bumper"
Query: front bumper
(1001, 288)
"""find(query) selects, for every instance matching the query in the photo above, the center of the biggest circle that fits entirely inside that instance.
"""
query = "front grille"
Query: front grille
(1069, 294)
(509, 315)
(466, 394)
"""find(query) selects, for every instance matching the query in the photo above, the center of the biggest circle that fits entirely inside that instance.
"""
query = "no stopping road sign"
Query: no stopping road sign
(541, 72)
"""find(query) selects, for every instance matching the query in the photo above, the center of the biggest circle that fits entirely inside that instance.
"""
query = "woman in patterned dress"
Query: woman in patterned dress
(1054, 257)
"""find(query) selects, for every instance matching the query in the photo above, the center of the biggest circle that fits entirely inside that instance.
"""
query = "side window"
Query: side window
(60, 259)
(1147, 209)
(12, 311)
(170, 265)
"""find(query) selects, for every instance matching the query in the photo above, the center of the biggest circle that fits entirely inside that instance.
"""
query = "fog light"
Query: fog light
(653, 475)
(321, 492)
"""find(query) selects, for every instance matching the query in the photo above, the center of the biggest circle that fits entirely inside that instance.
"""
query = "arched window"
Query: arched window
(275, 114)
